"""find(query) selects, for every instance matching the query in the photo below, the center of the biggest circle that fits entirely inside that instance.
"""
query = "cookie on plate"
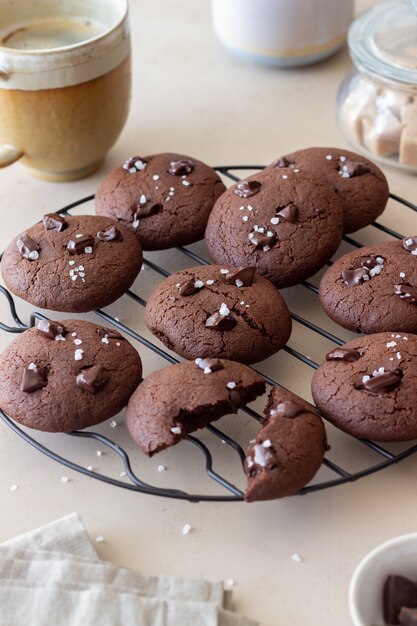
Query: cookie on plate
(67, 375)
(219, 311)
(368, 387)
(179, 399)
(288, 449)
(374, 289)
(287, 226)
(359, 183)
(77, 263)
(165, 198)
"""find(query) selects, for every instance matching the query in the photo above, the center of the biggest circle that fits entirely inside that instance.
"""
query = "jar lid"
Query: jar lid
(383, 41)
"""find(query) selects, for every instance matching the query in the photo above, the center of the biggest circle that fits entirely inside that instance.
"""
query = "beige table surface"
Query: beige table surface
(190, 96)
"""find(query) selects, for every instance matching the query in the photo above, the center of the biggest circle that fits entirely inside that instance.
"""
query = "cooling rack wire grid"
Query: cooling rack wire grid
(373, 456)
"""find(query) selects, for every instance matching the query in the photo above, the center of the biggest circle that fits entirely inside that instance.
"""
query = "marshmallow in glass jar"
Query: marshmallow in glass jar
(377, 102)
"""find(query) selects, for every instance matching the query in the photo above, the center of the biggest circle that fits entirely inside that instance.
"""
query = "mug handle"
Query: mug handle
(8, 155)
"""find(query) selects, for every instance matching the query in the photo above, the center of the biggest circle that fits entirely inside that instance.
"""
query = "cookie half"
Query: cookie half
(219, 311)
(77, 263)
(374, 289)
(164, 198)
(360, 185)
(288, 450)
(179, 399)
(368, 387)
(67, 375)
(287, 225)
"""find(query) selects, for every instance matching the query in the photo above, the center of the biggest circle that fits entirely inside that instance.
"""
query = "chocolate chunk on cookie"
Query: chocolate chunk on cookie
(179, 399)
(359, 183)
(81, 264)
(371, 395)
(164, 198)
(219, 311)
(67, 375)
(288, 449)
(288, 228)
(374, 289)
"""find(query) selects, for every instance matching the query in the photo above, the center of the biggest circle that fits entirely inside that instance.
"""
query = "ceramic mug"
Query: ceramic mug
(65, 82)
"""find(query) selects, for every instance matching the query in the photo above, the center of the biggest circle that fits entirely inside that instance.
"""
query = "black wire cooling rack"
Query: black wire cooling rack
(340, 475)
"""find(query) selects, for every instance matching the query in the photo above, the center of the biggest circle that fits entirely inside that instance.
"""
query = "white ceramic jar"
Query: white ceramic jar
(282, 33)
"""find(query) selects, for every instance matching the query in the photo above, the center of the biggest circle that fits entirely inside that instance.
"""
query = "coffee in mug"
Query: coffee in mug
(65, 81)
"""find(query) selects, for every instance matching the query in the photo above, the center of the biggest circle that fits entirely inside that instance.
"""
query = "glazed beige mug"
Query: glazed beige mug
(65, 82)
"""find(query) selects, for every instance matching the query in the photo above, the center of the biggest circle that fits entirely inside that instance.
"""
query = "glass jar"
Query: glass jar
(377, 103)
(282, 33)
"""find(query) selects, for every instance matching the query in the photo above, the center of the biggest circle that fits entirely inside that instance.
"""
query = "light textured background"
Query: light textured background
(190, 96)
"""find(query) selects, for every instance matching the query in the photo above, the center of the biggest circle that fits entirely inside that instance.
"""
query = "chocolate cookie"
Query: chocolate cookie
(287, 451)
(165, 198)
(288, 226)
(219, 311)
(179, 399)
(374, 289)
(76, 263)
(359, 183)
(368, 387)
(67, 375)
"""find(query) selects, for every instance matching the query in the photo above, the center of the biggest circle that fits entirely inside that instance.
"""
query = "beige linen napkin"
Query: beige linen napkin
(61, 607)
(84, 574)
(64, 535)
(54, 575)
